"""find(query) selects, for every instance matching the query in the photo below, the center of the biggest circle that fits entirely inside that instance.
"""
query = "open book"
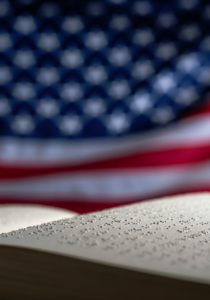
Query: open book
(151, 250)
(15, 216)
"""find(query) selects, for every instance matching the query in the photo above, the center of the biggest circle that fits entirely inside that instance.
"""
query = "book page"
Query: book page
(16, 216)
(169, 237)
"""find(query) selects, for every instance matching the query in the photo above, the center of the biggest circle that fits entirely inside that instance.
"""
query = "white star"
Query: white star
(47, 76)
(4, 107)
(119, 56)
(119, 22)
(24, 59)
(142, 69)
(188, 62)
(205, 45)
(47, 108)
(73, 24)
(5, 41)
(186, 96)
(166, 51)
(162, 115)
(117, 122)
(24, 91)
(94, 107)
(143, 37)
(25, 24)
(204, 75)
(119, 89)
(188, 4)
(166, 20)
(190, 32)
(72, 58)
(141, 102)
(142, 8)
(4, 8)
(71, 92)
(48, 41)
(70, 125)
(164, 82)
(95, 74)
(96, 40)
(5, 75)
(23, 124)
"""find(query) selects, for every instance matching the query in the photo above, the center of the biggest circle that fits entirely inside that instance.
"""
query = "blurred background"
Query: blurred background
(103, 102)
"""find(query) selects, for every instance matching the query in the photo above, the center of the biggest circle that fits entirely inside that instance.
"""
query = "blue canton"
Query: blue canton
(89, 69)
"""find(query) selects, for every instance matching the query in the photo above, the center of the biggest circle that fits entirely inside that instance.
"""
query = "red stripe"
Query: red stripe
(81, 206)
(152, 159)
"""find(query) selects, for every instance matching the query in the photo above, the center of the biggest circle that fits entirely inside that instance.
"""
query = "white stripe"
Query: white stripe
(119, 184)
(190, 131)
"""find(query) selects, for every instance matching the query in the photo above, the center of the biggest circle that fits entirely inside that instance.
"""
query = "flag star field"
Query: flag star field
(90, 89)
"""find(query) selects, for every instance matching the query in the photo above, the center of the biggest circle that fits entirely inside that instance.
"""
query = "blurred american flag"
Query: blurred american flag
(103, 102)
